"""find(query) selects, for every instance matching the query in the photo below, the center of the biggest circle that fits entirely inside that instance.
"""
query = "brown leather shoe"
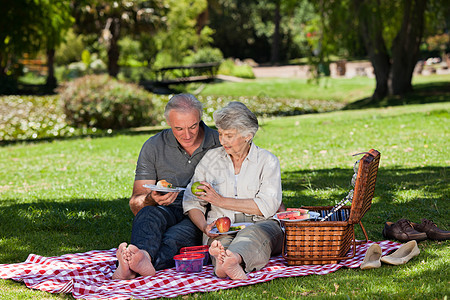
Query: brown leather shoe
(431, 230)
(403, 231)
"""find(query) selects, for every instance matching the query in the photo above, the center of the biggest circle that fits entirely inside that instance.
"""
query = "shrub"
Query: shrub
(228, 67)
(103, 102)
(32, 117)
(204, 55)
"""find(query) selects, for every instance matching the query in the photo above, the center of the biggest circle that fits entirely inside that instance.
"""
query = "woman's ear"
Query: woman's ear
(249, 138)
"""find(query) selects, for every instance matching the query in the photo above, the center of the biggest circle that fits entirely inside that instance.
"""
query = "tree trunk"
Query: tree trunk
(371, 28)
(51, 80)
(405, 47)
(113, 51)
(275, 55)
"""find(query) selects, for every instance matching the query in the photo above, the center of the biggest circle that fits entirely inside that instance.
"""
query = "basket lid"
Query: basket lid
(364, 185)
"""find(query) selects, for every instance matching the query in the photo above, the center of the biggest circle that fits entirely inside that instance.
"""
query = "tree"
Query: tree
(264, 30)
(392, 32)
(30, 26)
(185, 32)
(56, 19)
(111, 19)
(19, 33)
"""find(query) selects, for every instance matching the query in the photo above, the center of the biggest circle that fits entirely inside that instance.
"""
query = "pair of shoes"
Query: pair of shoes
(431, 230)
(400, 256)
(403, 231)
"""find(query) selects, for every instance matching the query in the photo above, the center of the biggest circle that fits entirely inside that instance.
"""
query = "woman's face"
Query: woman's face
(232, 141)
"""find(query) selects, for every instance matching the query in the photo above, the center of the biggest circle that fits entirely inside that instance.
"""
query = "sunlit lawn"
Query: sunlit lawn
(331, 89)
(67, 196)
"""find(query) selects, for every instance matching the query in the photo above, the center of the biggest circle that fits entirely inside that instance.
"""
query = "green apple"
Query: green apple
(195, 189)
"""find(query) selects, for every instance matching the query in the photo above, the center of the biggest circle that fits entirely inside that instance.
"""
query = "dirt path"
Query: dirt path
(352, 69)
(301, 71)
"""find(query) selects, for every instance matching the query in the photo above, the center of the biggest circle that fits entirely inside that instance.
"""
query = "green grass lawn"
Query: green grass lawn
(335, 89)
(67, 196)
(345, 90)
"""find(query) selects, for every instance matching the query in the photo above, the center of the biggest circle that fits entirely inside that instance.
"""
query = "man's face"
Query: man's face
(185, 126)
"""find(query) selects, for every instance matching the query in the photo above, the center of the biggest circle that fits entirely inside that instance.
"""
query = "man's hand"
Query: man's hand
(143, 196)
(159, 198)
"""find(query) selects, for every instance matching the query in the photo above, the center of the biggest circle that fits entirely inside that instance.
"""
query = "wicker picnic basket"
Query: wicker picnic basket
(328, 242)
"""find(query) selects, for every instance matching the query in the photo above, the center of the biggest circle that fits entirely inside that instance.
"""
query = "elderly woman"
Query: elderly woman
(243, 182)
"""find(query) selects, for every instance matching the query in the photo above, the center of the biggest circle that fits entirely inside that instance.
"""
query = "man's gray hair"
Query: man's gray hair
(236, 116)
(183, 103)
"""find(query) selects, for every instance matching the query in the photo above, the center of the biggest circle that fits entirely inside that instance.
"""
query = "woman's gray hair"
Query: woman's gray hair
(184, 103)
(237, 116)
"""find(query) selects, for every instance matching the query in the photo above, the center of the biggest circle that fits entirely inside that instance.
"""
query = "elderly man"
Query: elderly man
(160, 228)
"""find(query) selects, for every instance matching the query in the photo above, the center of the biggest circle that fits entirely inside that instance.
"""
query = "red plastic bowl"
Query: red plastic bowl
(189, 262)
(198, 249)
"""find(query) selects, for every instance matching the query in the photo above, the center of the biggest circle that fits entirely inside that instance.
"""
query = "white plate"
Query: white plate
(216, 231)
(163, 189)
(312, 216)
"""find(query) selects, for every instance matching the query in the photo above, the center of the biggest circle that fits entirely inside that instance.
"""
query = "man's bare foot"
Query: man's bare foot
(232, 266)
(218, 251)
(140, 261)
(123, 270)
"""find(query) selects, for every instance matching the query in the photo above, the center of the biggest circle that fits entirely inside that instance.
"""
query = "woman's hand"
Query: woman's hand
(208, 228)
(209, 195)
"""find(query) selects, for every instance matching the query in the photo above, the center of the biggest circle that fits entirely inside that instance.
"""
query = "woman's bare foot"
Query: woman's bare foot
(123, 270)
(140, 261)
(218, 251)
(232, 266)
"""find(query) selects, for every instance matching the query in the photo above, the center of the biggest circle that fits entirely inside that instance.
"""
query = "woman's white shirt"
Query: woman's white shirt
(259, 179)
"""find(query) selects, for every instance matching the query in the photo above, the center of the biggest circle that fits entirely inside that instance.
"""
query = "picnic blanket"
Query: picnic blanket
(89, 275)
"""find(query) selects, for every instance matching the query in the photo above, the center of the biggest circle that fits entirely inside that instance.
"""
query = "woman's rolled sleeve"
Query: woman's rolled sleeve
(268, 198)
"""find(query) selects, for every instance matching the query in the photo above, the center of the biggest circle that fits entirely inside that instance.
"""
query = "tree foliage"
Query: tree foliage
(112, 19)
(392, 32)
(28, 26)
(182, 34)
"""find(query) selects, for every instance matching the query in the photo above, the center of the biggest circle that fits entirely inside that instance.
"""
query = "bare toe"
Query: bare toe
(123, 270)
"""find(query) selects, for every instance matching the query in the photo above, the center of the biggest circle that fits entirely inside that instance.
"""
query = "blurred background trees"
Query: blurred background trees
(29, 26)
(130, 39)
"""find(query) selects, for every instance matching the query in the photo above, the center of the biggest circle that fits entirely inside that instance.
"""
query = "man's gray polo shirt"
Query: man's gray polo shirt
(162, 157)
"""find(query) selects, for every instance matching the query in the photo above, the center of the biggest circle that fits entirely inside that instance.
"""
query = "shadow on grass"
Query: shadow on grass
(29, 89)
(433, 92)
(148, 131)
(50, 227)
(101, 134)
(427, 186)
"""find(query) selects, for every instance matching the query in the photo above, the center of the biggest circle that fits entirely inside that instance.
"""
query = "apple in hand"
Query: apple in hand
(195, 189)
(223, 224)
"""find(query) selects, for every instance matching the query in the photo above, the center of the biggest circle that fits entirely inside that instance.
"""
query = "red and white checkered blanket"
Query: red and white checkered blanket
(88, 275)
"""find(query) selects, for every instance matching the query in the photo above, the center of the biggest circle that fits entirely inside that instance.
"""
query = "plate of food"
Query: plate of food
(235, 227)
(164, 187)
(296, 215)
